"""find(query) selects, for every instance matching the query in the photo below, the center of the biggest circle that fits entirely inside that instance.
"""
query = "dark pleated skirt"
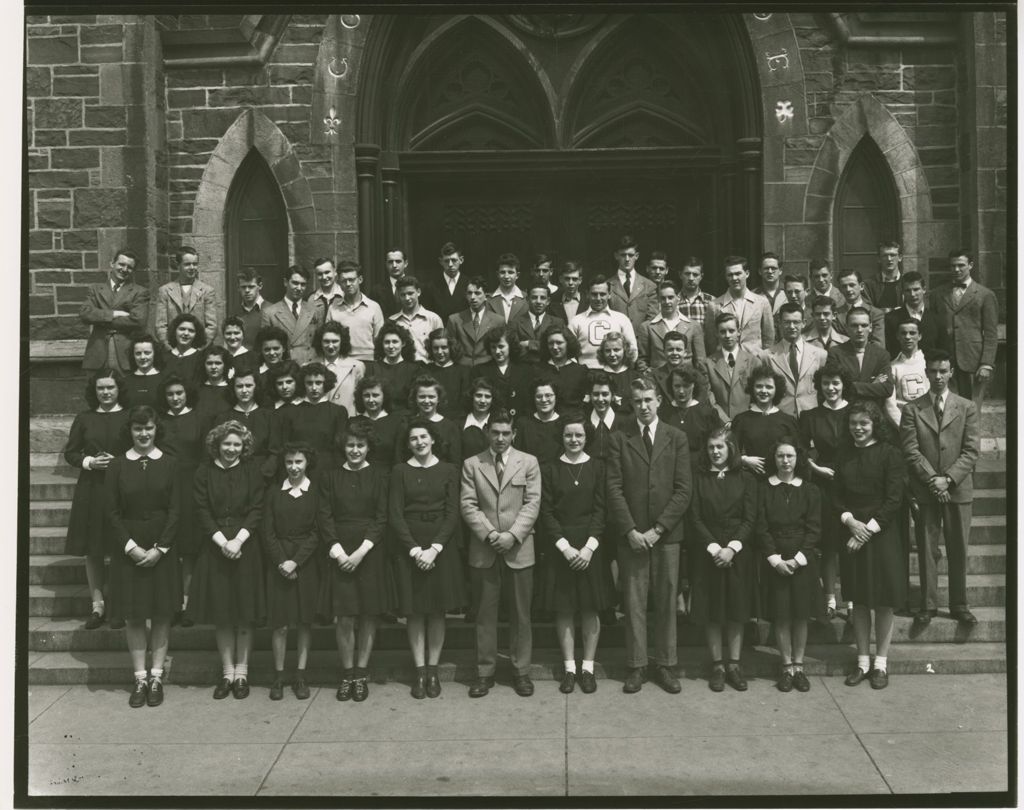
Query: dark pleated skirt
(799, 596)
(722, 594)
(144, 593)
(876, 575)
(440, 590)
(228, 592)
(293, 601)
(367, 591)
(89, 528)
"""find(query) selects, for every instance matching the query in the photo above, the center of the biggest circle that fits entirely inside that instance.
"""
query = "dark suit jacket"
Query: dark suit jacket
(98, 312)
(877, 323)
(876, 362)
(470, 340)
(383, 295)
(952, 449)
(633, 306)
(929, 330)
(967, 330)
(523, 331)
(644, 491)
(437, 299)
(556, 307)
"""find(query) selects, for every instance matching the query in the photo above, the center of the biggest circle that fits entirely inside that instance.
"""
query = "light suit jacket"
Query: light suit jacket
(950, 449)
(202, 302)
(800, 394)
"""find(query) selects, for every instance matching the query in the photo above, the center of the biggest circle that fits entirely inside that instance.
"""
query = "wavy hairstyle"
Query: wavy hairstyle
(217, 434)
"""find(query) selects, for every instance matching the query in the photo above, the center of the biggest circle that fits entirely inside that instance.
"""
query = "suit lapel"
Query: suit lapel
(660, 442)
(928, 415)
(950, 413)
(487, 469)
(511, 467)
(174, 293)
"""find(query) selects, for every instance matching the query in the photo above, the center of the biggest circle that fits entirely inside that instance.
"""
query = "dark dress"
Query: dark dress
(142, 497)
(141, 389)
(869, 483)
(188, 368)
(290, 532)
(223, 591)
(396, 379)
(622, 400)
(572, 506)
(423, 508)
(599, 438)
(353, 508)
(382, 452)
(211, 400)
(696, 421)
(92, 432)
(455, 381)
(789, 521)
(185, 441)
(512, 389)
(756, 432)
(320, 425)
(571, 381)
(723, 509)
(823, 430)
(258, 421)
(540, 439)
(449, 433)
(474, 440)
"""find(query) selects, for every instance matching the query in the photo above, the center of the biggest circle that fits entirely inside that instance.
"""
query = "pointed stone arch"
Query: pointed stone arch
(868, 117)
(251, 130)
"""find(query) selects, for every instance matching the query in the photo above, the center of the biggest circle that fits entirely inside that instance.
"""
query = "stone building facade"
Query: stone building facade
(274, 139)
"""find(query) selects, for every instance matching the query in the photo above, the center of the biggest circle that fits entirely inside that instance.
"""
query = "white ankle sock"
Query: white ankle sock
(156, 674)
(588, 666)
(864, 662)
(229, 671)
(140, 674)
(570, 666)
(241, 671)
(881, 662)
(98, 607)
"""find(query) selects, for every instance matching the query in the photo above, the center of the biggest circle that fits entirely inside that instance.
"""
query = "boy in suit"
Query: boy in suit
(508, 300)
(397, 266)
(187, 294)
(446, 294)
(297, 318)
(568, 302)
(867, 363)
(796, 360)
(116, 311)
(649, 485)
(528, 327)
(851, 284)
(469, 327)
(729, 366)
(630, 293)
(753, 312)
(500, 502)
(915, 305)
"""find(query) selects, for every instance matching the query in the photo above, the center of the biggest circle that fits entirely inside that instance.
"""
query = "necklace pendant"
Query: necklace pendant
(575, 483)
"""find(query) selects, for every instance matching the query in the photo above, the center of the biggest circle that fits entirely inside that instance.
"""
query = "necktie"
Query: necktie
(295, 309)
(732, 360)
(938, 410)
(794, 362)
(117, 286)
(626, 285)
(476, 319)
(828, 342)
(499, 466)
(860, 360)
(648, 442)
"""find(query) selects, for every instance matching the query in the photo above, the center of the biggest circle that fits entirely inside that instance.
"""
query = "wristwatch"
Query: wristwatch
(659, 529)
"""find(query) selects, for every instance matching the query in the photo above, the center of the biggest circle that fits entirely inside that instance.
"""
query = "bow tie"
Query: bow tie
(961, 285)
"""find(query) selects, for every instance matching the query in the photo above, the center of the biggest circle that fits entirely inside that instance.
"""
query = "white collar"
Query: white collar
(774, 480)
(659, 318)
(117, 407)
(298, 489)
(554, 417)
(257, 304)
(653, 426)
(220, 463)
(514, 293)
(380, 415)
(581, 460)
(873, 441)
(133, 455)
(608, 418)
(610, 370)
(182, 412)
(771, 410)
(221, 384)
(241, 350)
(149, 373)
(350, 468)
(689, 403)
(437, 417)
(472, 421)
(914, 356)
(281, 403)
(570, 361)
(842, 403)
(187, 353)
(419, 312)
(413, 462)
(446, 365)
(255, 406)
(334, 291)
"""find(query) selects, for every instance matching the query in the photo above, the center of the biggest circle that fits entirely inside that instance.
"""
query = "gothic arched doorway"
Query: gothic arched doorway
(558, 133)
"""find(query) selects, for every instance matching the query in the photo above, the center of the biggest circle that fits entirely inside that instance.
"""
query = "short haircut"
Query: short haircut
(268, 333)
(596, 280)
(335, 328)
(857, 311)
(232, 320)
(426, 381)
(174, 379)
(884, 245)
(218, 351)
(674, 336)
(140, 415)
(542, 258)
(642, 384)
(508, 260)
(817, 264)
(368, 382)
(495, 335)
(912, 277)
(668, 282)
(447, 249)
(399, 250)
(572, 343)
(322, 260)
(732, 260)
(499, 416)
(144, 338)
(407, 281)
(850, 271)
(627, 241)
(476, 281)
(821, 301)
(242, 373)
(908, 319)
(771, 255)
(290, 448)
(216, 436)
(179, 319)
(296, 269)
(570, 266)
(349, 266)
(790, 307)
(722, 317)
(184, 250)
(392, 328)
(733, 461)
(102, 374)
(694, 261)
(537, 283)
(249, 274)
(954, 254)
(128, 254)
(658, 256)
(793, 278)
(766, 372)
(938, 355)
(832, 368)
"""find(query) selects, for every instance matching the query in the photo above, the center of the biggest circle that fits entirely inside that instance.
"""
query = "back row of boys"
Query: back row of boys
(886, 360)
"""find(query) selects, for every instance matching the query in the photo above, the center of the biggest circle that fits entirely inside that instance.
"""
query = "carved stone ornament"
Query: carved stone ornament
(350, 20)
(777, 60)
(784, 111)
(338, 69)
(556, 26)
(763, 17)
(332, 122)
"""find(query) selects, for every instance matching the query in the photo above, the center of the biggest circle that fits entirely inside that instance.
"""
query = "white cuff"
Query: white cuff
(713, 549)
(736, 546)
(801, 560)
(367, 542)
(239, 537)
(87, 462)
(846, 516)
(592, 544)
(562, 544)
(415, 552)
(774, 559)
(336, 551)
(220, 539)
(873, 526)
(437, 547)
(130, 546)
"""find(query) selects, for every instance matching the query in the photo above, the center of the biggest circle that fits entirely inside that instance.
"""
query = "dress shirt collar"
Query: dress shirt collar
(653, 427)
(256, 306)
(334, 292)
(770, 411)
(431, 462)
(350, 468)
(513, 294)
(182, 412)
(608, 418)
(133, 455)
(472, 421)
(151, 373)
(297, 490)
(187, 353)
(942, 398)
(117, 407)
(583, 459)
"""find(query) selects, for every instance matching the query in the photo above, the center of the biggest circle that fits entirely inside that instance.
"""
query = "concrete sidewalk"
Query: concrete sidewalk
(925, 733)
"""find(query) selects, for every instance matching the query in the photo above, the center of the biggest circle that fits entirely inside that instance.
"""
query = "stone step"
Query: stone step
(202, 667)
(981, 559)
(983, 590)
(47, 539)
(66, 635)
(988, 530)
(989, 502)
(59, 600)
(49, 513)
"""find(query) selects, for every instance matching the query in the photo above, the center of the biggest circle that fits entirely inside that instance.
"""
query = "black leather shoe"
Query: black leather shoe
(176, 618)
(300, 688)
(277, 690)
(138, 696)
(117, 624)
(156, 693)
(855, 677)
(634, 681)
(923, 619)
(186, 620)
(665, 679)
(800, 681)
(734, 677)
(419, 686)
(240, 688)
(588, 683)
(361, 690)
(879, 679)
(568, 684)
(716, 683)
(481, 686)
(95, 621)
(433, 683)
(222, 690)
(345, 690)
(785, 682)
(964, 616)
(523, 685)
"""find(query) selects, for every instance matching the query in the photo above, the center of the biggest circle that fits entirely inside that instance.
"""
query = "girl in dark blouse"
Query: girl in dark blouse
(575, 571)
(423, 508)
(272, 342)
(619, 367)
(454, 377)
(357, 585)
(97, 436)
(540, 433)
(474, 428)
(372, 402)
(283, 380)
(602, 419)
(788, 527)
(723, 566)
(868, 491)
(183, 440)
(696, 419)
(316, 420)
(187, 339)
(510, 377)
(140, 387)
(228, 587)
(757, 430)
(823, 430)
(291, 542)
(213, 390)
(394, 363)
(426, 398)
(559, 363)
(244, 394)
(142, 498)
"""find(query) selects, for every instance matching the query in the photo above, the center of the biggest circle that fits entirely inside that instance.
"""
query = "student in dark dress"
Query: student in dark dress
(233, 337)
(723, 567)
(357, 586)
(575, 572)
(212, 391)
(291, 542)
(244, 394)
(314, 419)
(228, 585)
(140, 387)
(424, 518)
(272, 347)
(187, 338)
(758, 429)
(283, 380)
(788, 528)
(183, 440)
(394, 363)
(426, 397)
(617, 361)
(510, 378)
(481, 399)
(141, 494)
(696, 419)
(824, 430)
(97, 436)
(602, 418)
(869, 489)
(559, 363)
(540, 432)
(444, 366)
(372, 402)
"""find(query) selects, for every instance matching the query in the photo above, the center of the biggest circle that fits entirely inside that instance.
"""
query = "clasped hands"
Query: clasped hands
(578, 559)
(939, 487)
(642, 541)
(143, 558)
(501, 542)
(859, 534)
